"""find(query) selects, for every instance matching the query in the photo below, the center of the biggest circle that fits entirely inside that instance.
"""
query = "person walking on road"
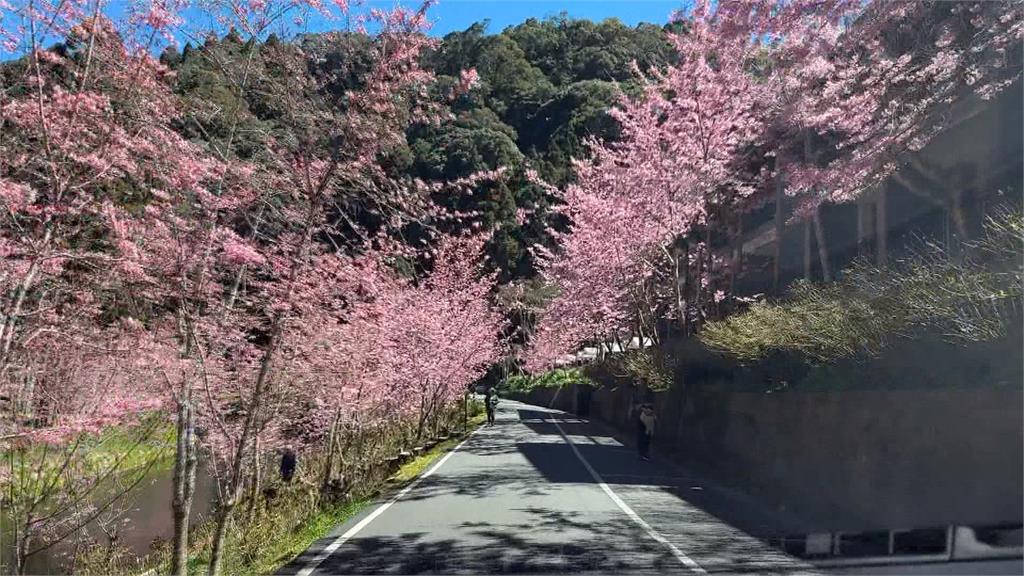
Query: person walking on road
(645, 430)
(289, 461)
(490, 402)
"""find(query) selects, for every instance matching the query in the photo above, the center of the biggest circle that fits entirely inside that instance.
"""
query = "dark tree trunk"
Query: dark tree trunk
(865, 226)
(779, 231)
(184, 482)
(956, 210)
(881, 228)
(257, 478)
(807, 250)
(329, 466)
(236, 474)
(684, 302)
(819, 234)
(737, 254)
(220, 536)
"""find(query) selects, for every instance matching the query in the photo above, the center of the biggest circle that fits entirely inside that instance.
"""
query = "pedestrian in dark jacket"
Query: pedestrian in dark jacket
(490, 402)
(645, 421)
(289, 461)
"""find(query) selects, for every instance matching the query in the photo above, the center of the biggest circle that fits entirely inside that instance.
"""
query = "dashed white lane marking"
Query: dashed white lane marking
(333, 546)
(683, 558)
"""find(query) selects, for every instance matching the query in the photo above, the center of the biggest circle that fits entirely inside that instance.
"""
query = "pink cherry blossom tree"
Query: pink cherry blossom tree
(400, 347)
(85, 379)
(210, 335)
(196, 340)
(817, 99)
(88, 122)
(885, 85)
(680, 140)
(314, 175)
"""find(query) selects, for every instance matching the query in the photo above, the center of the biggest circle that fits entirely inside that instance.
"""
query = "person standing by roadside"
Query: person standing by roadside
(490, 401)
(289, 461)
(645, 430)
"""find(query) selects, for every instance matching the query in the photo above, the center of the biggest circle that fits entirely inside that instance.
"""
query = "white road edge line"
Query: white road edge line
(683, 558)
(333, 546)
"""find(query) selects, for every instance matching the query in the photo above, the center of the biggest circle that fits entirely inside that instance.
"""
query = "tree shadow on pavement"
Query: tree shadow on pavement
(723, 528)
(719, 530)
(546, 541)
(544, 423)
(482, 483)
(553, 527)
(619, 465)
(540, 544)
(481, 449)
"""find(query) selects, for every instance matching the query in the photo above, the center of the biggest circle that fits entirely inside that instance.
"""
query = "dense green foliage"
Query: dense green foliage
(964, 297)
(545, 87)
(652, 368)
(557, 378)
(550, 81)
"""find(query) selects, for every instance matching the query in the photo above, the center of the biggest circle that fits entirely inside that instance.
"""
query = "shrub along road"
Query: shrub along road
(542, 491)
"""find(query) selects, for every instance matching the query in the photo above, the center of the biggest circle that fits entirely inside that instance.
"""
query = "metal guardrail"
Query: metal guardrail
(905, 546)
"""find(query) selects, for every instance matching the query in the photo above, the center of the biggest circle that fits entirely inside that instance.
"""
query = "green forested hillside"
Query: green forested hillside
(545, 86)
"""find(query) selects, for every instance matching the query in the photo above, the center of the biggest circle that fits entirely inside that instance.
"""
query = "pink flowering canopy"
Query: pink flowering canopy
(835, 94)
(80, 129)
(398, 343)
(211, 305)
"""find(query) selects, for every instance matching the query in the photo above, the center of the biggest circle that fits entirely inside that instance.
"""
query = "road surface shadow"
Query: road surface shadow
(712, 528)
(544, 423)
(619, 465)
(547, 541)
(483, 483)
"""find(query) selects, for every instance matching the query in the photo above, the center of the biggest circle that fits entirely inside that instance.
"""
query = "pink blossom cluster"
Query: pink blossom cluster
(144, 273)
(400, 346)
(882, 100)
(79, 379)
(235, 321)
(828, 95)
(680, 138)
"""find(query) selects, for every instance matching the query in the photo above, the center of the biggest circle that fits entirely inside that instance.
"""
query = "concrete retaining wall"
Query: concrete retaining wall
(849, 459)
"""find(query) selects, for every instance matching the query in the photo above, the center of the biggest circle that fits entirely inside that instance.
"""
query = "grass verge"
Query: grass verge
(413, 468)
(290, 545)
(265, 538)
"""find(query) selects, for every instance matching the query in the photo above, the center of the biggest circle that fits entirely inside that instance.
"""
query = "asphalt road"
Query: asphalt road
(543, 492)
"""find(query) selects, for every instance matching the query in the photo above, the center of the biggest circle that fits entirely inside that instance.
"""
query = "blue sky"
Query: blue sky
(453, 15)
(456, 15)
